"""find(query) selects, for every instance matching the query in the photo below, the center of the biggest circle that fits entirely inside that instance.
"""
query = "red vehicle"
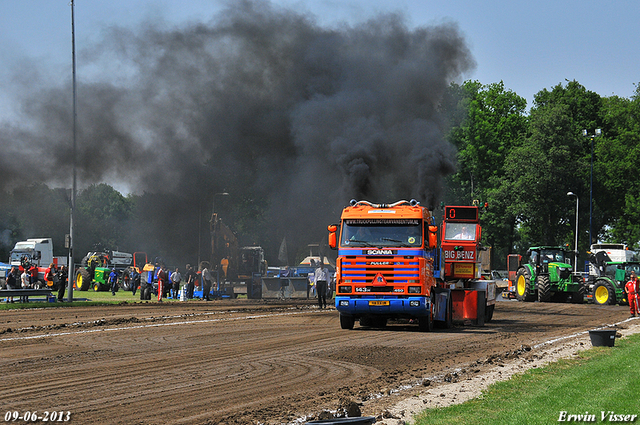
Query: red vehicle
(462, 270)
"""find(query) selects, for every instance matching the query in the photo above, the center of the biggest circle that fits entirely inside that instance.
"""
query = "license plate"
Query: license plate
(378, 302)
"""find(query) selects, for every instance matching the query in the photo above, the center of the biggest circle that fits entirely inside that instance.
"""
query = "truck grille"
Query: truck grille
(394, 270)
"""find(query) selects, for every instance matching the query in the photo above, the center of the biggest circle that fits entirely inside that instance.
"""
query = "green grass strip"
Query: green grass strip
(601, 379)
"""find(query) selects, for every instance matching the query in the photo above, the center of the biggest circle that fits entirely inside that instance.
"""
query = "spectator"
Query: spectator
(322, 278)
(190, 277)
(135, 280)
(113, 281)
(49, 274)
(631, 288)
(25, 280)
(176, 278)
(33, 280)
(206, 282)
(62, 282)
(163, 282)
(12, 281)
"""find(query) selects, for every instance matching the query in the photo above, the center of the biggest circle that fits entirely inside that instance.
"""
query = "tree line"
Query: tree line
(521, 162)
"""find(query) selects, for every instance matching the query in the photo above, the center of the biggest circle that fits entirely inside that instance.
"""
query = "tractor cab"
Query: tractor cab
(546, 259)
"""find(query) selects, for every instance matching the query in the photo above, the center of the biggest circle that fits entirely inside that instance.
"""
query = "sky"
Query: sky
(301, 102)
(527, 45)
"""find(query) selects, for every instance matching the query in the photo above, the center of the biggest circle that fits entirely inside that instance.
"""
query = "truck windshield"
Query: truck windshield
(381, 233)
(16, 256)
(460, 232)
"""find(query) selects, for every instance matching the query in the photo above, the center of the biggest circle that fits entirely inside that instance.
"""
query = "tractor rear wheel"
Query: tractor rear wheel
(544, 289)
(603, 293)
(523, 285)
(346, 322)
(83, 279)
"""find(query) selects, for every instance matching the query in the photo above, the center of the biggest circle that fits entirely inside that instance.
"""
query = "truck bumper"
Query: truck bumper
(390, 307)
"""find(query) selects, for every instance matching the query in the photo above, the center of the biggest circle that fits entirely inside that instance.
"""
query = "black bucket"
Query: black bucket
(603, 337)
(361, 420)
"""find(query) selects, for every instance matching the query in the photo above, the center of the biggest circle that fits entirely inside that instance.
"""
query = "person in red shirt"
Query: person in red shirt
(33, 272)
(163, 281)
(631, 288)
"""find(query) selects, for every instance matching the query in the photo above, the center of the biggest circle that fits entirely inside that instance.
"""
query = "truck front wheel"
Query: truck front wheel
(346, 322)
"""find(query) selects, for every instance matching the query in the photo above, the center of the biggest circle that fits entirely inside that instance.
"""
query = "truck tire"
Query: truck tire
(488, 313)
(347, 322)
(425, 324)
(603, 293)
(544, 288)
(83, 279)
(379, 322)
(365, 322)
(523, 285)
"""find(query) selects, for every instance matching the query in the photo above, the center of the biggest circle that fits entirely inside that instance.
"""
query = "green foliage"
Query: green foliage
(487, 122)
(600, 379)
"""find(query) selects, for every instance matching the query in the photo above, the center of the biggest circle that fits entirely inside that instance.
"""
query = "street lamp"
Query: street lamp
(223, 193)
(597, 133)
(575, 261)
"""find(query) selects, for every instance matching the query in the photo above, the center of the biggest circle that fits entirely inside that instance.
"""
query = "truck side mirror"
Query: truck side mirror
(433, 237)
(333, 239)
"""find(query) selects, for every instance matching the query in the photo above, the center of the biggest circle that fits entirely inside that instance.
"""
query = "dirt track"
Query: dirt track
(245, 361)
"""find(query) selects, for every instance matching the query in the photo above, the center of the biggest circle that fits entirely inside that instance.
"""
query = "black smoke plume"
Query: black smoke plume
(260, 101)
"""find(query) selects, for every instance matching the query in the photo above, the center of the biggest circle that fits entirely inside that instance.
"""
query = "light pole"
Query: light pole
(213, 207)
(597, 133)
(575, 261)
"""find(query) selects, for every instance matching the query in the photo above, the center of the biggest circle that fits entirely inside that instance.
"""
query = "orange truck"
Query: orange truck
(391, 265)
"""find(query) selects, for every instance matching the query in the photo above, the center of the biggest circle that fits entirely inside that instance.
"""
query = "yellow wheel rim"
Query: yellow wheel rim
(521, 285)
(79, 281)
(601, 295)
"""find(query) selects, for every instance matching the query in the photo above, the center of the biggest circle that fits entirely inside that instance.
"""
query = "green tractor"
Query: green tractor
(547, 276)
(95, 275)
(608, 288)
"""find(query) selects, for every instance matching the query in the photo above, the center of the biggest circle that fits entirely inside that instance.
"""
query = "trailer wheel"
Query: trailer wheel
(544, 289)
(603, 293)
(83, 279)
(347, 322)
(523, 284)
(488, 313)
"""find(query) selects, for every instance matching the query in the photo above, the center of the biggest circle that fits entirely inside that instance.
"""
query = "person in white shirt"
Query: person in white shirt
(176, 278)
(321, 279)
(206, 283)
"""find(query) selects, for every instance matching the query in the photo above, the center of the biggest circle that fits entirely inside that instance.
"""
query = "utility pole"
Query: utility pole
(71, 267)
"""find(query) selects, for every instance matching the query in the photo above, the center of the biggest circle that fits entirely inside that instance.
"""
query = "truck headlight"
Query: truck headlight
(344, 289)
(414, 289)
(414, 303)
(344, 303)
